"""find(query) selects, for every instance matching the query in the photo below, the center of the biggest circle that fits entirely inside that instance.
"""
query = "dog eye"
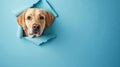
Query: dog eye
(29, 17)
(41, 17)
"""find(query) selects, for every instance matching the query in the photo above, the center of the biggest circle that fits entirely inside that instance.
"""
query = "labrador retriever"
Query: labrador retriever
(34, 21)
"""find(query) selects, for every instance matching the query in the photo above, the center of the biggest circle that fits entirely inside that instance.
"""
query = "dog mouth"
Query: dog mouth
(35, 33)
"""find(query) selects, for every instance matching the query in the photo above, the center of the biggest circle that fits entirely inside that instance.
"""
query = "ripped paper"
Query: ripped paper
(47, 35)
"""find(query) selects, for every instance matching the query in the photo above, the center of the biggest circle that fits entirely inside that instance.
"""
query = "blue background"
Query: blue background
(88, 35)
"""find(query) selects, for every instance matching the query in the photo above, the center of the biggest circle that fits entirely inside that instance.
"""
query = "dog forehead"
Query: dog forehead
(29, 12)
(39, 11)
(35, 11)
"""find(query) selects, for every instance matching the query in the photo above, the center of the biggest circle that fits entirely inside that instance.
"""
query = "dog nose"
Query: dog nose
(36, 27)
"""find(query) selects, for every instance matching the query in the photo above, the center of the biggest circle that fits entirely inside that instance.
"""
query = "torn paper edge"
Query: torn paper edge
(19, 11)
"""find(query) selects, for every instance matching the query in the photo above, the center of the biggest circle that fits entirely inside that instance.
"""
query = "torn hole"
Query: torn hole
(48, 35)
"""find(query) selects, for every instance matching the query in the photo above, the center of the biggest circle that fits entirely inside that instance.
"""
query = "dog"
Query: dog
(34, 20)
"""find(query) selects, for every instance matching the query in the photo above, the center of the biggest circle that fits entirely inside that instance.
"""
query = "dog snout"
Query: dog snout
(36, 28)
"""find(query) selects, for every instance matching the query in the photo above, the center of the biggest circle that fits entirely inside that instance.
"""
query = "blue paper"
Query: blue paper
(47, 35)
(45, 4)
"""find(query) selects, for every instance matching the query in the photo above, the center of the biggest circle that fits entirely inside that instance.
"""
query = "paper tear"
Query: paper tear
(41, 40)
(18, 11)
(45, 4)
(47, 35)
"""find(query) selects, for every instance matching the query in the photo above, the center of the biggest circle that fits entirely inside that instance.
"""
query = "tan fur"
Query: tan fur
(21, 21)
(35, 13)
(49, 19)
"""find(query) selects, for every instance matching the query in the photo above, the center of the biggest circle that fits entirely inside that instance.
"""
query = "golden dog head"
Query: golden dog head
(34, 21)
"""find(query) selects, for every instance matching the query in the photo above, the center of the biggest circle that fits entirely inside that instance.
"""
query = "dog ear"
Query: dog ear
(49, 19)
(21, 21)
